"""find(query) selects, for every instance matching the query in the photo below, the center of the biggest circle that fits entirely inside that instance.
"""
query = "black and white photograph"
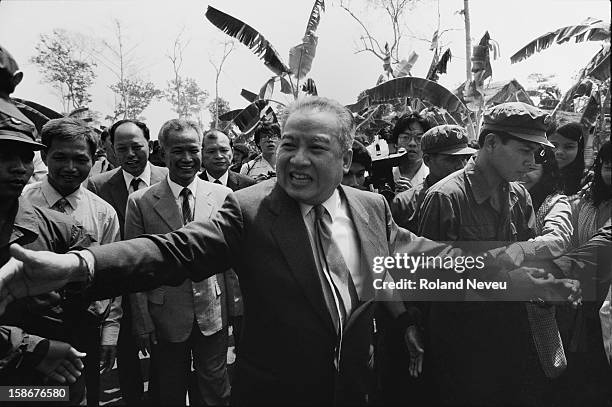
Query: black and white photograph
(305, 203)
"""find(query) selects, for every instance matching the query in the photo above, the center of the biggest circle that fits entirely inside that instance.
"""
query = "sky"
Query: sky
(150, 28)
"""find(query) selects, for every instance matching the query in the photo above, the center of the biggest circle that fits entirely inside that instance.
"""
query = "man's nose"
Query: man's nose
(18, 166)
(299, 157)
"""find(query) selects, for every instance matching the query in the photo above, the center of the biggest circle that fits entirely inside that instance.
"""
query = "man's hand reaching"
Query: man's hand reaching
(30, 273)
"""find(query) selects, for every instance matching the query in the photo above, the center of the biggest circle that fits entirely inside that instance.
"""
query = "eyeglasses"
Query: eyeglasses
(408, 135)
(269, 137)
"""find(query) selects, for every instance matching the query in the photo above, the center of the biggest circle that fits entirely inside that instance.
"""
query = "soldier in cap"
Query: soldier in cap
(10, 77)
(25, 357)
(482, 353)
(445, 150)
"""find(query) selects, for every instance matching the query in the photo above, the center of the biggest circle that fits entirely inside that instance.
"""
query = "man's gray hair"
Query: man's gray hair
(177, 125)
(321, 104)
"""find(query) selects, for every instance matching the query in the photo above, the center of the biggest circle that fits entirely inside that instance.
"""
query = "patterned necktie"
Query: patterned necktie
(135, 183)
(546, 338)
(185, 208)
(61, 205)
(340, 277)
(218, 182)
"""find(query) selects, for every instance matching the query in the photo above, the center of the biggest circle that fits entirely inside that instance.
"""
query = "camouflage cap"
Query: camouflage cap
(14, 126)
(518, 119)
(446, 139)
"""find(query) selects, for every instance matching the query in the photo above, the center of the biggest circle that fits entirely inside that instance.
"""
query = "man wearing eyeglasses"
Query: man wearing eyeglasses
(407, 135)
(264, 165)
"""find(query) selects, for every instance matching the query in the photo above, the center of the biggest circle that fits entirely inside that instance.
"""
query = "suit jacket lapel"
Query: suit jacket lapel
(166, 206)
(367, 236)
(203, 204)
(118, 191)
(292, 238)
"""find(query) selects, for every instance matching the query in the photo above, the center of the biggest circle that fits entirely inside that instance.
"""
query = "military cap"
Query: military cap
(7, 62)
(518, 119)
(446, 139)
(14, 126)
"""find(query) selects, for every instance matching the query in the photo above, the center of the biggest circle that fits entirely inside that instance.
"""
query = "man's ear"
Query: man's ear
(347, 160)
(426, 159)
(490, 141)
(17, 78)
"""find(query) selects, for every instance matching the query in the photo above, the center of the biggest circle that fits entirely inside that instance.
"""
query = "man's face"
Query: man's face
(441, 165)
(513, 159)
(16, 168)
(268, 144)
(217, 154)
(183, 156)
(131, 148)
(410, 140)
(310, 162)
(69, 163)
(606, 173)
(355, 177)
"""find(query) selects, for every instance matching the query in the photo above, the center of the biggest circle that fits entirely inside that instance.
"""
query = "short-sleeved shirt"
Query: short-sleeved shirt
(257, 167)
(40, 229)
(99, 219)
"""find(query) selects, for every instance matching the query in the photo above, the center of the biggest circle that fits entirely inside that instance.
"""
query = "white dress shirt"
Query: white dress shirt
(145, 177)
(222, 179)
(176, 192)
(99, 219)
(343, 233)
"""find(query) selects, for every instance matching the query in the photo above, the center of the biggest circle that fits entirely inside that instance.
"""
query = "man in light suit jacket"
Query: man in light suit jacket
(190, 319)
(217, 157)
(130, 140)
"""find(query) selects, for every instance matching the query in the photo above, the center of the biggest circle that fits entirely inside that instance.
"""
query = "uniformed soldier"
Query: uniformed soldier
(445, 150)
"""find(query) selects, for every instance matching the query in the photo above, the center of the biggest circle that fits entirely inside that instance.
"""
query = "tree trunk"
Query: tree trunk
(468, 40)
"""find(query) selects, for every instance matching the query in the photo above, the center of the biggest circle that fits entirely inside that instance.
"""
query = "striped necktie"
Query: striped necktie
(61, 205)
(185, 208)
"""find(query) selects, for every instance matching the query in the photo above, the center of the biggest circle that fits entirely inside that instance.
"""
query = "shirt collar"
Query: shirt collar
(176, 188)
(52, 196)
(144, 176)
(478, 182)
(332, 205)
(223, 177)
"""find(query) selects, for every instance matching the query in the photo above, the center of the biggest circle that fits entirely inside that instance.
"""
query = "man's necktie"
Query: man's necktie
(61, 205)
(341, 280)
(218, 182)
(135, 183)
(546, 338)
(185, 208)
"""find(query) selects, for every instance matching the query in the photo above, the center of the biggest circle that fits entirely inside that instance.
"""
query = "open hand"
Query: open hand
(62, 362)
(30, 273)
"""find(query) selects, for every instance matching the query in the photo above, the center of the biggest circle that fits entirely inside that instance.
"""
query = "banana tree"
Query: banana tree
(300, 57)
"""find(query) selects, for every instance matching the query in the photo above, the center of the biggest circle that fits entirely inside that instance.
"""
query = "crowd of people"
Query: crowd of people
(106, 255)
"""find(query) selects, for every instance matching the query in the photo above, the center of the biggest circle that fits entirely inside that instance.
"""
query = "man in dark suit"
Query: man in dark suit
(308, 324)
(217, 155)
(130, 140)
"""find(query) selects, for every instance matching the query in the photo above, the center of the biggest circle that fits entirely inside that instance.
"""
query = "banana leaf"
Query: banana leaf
(302, 55)
(249, 37)
(248, 95)
(267, 89)
(229, 116)
(419, 88)
(285, 86)
(589, 30)
(36, 113)
(599, 66)
(404, 67)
